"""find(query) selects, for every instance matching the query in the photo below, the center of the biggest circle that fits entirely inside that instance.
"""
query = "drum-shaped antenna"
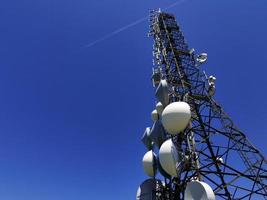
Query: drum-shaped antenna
(201, 58)
(175, 117)
(169, 158)
(197, 190)
(150, 163)
(147, 190)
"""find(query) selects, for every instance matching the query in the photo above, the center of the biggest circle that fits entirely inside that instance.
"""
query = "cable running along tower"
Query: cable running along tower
(193, 143)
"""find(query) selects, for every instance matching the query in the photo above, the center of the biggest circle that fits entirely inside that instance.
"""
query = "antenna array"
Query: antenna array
(201, 152)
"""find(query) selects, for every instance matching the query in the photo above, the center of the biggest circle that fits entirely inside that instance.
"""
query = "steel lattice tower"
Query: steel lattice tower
(212, 136)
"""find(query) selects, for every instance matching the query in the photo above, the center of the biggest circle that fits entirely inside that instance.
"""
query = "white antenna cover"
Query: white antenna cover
(197, 190)
(212, 80)
(154, 115)
(201, 58)
(146, 190)
(175, 117)
(169, 158)
(220, 161)
(150, 163)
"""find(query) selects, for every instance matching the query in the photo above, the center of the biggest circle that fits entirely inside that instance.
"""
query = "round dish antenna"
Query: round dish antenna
(197, 190)
(201, 58)
(169, 158)
(148, 188)
(150, 163)
(175, 117)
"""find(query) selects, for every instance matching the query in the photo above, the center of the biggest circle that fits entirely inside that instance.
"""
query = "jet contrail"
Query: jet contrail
(117, 31)
(174, 4)
(128, 26)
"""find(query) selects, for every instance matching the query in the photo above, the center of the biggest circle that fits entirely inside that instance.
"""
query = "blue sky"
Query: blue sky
(71, 117)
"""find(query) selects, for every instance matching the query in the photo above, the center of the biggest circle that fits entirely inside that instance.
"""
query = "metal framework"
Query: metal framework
(212, 135)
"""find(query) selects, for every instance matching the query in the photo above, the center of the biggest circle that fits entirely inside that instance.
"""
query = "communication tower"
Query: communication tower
(198, 150)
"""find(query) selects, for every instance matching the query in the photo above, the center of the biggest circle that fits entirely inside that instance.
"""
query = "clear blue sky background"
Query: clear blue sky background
(71, 117)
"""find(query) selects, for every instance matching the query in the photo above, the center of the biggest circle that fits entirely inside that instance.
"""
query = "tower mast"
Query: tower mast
(211, 149)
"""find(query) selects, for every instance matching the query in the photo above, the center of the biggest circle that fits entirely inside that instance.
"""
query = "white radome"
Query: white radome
(219, 161)
(169, 158)
(149, 163)
(198, 190)
(202, 58)
(147, 189)
(154, 115)
(159, 108)
(175, 117)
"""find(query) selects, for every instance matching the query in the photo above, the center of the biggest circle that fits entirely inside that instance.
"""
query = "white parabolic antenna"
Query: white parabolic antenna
(202, 58)
(146, 190)
(169, 158)
(197, 190)
(175, 117)
(150, 163)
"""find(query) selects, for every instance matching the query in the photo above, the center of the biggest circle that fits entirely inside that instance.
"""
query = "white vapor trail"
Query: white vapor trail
(117, 31)
(128, 26)
(174, 4)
